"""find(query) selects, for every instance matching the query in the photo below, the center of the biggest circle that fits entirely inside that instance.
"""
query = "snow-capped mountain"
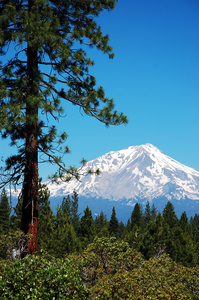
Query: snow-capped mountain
(135, 173)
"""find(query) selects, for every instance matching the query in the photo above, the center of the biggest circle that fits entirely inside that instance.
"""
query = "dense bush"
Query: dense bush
(40, 277)
(114, 271)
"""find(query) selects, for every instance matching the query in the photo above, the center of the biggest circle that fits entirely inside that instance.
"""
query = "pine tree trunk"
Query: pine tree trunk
(29, 223)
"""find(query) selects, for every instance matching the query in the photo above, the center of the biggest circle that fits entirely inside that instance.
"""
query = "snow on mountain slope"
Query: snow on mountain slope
(137, 172)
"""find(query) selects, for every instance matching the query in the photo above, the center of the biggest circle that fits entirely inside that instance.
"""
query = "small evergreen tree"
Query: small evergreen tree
(4, 213)
(69, 208)
(194, 222)
(121, 229)
(169, 215)
(87, 228)
(154, 238)
(101, 225)
(184, 222)
(46, 231)
(4, 222)
(186, 251)
(137, 216)
(65, 207)
(147, 214)
(154, 212)
(113, 227)
(65, 238)
(74, 211)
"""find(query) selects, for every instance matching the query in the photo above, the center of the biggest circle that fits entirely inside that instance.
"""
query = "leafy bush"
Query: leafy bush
(39, 277)
(114, 271)
(13, 240)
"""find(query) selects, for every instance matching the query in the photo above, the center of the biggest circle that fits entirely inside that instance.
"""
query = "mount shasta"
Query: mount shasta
(135, 174)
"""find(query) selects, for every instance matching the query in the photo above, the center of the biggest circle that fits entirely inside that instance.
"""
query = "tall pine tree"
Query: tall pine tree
(4, 213)
(44, 61)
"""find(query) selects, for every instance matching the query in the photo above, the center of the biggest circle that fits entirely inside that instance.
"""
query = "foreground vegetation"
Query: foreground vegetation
(153, 256)
(107, 269)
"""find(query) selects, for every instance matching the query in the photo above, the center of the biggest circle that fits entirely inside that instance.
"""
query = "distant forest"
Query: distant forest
(147, 231)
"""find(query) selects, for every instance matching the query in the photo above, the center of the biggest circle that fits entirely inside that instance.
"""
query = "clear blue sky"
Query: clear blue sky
(153, 79)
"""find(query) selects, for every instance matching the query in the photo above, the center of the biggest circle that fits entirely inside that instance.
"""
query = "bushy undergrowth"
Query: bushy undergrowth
(114, 271)
(108, 269)
(40, 277)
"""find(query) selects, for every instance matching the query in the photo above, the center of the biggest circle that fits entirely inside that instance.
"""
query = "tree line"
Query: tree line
(147, 231)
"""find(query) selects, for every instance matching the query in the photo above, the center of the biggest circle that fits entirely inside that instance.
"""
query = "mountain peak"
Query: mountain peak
(137, 172)
(145, 148)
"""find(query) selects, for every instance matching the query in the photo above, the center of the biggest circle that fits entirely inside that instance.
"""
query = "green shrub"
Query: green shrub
(38, 277)
(114, 271)
(13, 240)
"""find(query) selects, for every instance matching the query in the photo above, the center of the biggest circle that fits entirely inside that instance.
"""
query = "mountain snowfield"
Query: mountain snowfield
(135, 173)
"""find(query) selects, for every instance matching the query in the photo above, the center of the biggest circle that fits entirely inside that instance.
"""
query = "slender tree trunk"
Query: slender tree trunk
(29, 222)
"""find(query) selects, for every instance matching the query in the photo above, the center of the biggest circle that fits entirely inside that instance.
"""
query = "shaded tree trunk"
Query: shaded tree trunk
(29, 223)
